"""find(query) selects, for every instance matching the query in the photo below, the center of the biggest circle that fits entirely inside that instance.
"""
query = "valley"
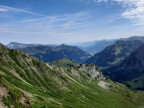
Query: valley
(62, 83)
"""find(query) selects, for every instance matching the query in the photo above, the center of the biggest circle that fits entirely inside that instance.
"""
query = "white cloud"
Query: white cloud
(3, 10)
(42, 24)
(60, 25)
(6, 8)
(60, 22)
(95, 1)
(134, 10)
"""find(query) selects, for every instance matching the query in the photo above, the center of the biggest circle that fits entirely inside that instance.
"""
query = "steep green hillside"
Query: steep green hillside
(115, 53)
(27, 82)
(130, 71)
(49, 54)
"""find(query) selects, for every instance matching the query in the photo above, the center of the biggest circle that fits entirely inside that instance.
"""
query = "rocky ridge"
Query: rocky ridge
(93, 71)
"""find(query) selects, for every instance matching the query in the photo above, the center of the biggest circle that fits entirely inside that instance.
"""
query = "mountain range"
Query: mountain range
(115, 53)
(49, 54)
(27, 82)
(91, 47)
(130, 71)
(15, 45)
(110, 60)
(123, 62)
(96, 46)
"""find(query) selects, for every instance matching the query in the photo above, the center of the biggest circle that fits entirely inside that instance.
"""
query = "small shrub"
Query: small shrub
(7, 101)
(15, 95)
(13, 98)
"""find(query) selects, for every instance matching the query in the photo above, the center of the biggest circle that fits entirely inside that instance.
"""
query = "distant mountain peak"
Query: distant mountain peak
(130, 70)
(49, 54)
(115, 53)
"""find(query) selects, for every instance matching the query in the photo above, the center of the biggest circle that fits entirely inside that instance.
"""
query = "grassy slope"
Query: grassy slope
(54, 86)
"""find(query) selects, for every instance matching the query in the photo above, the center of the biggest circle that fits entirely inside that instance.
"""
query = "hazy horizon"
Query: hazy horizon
(71, 43)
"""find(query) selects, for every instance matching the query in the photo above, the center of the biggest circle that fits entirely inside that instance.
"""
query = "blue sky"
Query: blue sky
(69, 21)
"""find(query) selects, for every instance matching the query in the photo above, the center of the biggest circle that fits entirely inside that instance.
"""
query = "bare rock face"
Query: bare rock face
(93, 71)
(105, 85)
